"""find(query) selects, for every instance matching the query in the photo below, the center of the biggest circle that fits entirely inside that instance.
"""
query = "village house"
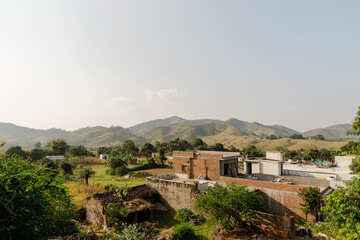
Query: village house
(277, 180)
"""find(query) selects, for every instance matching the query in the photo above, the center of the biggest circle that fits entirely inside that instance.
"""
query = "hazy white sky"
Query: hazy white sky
(70, 64)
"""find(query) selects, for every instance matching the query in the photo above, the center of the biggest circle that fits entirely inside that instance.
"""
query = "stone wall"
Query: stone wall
(175, 193)
(282, 199)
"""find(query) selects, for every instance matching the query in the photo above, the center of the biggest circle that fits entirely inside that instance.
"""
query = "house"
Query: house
(207, 165)
(104, 156)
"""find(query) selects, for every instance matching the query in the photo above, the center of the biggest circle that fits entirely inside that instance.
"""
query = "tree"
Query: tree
(66, 167)
(104, 150)
(57, 147)
(115, 162)
(37, 154)
(116, 151)
(218, 147)
(311, 198)
(78, 151)
(161, 155)
(297, 136)
(179, 145)
(355, 166)
(33, 202)
(312, 153)
(37, 145)
(147, 149)
(355, 127)
(318, 137)
(232, 206)
(86, 173)
(128, 146)
(351, 148)
(253, 151)
(18, 151)
(342, 211)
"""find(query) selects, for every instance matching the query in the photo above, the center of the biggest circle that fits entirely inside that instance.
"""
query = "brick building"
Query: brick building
(209, 165)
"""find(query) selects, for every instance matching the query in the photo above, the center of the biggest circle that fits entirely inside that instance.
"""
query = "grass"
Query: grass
(81, 191)
(206, 230)
(96, 184)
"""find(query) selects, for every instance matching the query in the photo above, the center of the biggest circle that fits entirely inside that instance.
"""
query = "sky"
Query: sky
(70, 64)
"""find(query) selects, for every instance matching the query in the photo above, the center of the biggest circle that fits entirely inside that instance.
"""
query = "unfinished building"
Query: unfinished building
(209, 165)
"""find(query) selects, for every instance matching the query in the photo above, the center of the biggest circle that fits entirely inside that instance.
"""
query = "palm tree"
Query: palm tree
(86, 173)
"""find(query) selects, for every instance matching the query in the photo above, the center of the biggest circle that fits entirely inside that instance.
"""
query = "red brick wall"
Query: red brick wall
(281, 198)
(209, 168)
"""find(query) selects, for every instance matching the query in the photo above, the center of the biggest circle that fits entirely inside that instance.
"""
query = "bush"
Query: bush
(134, 232)
(66, 167)
(33, 202)
(121, 171)
(183, 231)
(232, 206)
(116, 214)
(186, 215)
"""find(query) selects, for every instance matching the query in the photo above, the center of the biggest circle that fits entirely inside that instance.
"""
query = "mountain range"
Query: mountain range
(161, 130)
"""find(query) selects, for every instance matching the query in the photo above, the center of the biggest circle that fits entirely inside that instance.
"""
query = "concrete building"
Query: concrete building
(104, 156)
(207, 165)
(270, 165)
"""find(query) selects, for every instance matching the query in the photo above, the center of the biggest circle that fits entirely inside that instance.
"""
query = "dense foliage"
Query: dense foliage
(311, 198)
(33, 202)
(342, 211)
(183, 231)
(232, 206)
(187, 216)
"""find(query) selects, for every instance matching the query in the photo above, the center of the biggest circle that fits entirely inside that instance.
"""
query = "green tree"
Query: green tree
(355, 127)
(342, 211)
(312, 154)
(253, 151)
(355, 166)
(311, 198)
(351, 148)
(161, 156)
(104, 150)
(147, 149)
(232, 206)
(116, 151)
(33, 202)
(297, 136)
(318, 137)
(18, 151)
(115, 162)
(129, 147)
(85, 173)
(37, 154)
(57, 147)
(78, 151)
(217, 147)
(37, 145)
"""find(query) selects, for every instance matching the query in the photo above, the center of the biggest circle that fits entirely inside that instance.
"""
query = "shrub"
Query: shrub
(232, 206)
(186, 215)
(134, 232)
(33, 202)
(121, 171)
(183, 231)
(66, 167)
(116, 214)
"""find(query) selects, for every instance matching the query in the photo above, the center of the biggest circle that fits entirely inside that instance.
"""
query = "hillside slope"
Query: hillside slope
(333, 132)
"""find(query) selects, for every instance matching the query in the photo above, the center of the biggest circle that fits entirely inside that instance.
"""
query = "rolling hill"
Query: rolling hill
(333, 132)
(190, 132)
(247, 127)
(230, 132)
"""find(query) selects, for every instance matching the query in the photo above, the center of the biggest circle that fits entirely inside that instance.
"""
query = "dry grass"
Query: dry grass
(265, 144)
(80, 192)
(87, 160)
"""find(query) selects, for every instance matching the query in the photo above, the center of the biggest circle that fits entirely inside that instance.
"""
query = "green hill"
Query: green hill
(333, 132)
(189, 132)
